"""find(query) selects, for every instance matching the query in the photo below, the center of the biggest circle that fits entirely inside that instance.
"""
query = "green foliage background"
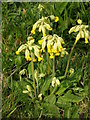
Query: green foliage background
(16, 28)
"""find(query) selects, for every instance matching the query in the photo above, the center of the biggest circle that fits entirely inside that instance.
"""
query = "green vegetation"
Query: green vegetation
(45, 60)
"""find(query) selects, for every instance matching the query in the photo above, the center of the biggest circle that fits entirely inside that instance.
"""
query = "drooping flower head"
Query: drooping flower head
(43, 24)
(32, 51)
(82, 31)
(54, 45)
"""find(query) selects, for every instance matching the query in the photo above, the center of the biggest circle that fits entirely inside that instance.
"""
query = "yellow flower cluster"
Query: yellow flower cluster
(43, 24)
(54, 45)
(28, 58)
(82, 31)
(29, 54)
(52, 51)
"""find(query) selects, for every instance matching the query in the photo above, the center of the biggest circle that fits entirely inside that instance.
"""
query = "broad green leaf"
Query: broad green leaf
(63, 104)
(18, 61)
(63, 86)
(67, 113)
(50, 110)
(46, 84)
(69, 97)
(75, 112)
(50, 99)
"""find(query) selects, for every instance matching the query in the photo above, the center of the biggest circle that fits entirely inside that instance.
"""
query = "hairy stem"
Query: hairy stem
(48, 62)
(33, 79)
(53, 66)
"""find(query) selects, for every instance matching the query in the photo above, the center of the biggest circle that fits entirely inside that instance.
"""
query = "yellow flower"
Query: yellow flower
(79, 21)
(40, 42)
(56, 19)
(31, 37)
(63, 42)
(50, 29)
(43, 50)
(34, 60)
(75, 30)
(60, 49)
(86, 40)
(17, 52)
(39, 59)
(62, 55)
(53, 50)
(57, 54)
(49, 46)
(51, 56)
(33, 31)
(44, 34)
(28, 58)
(49, 50)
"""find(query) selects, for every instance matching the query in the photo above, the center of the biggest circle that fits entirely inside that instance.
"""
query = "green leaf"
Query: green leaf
(75, 112)
(50, 99)
(67, 113)
(63, 104)
(50, 110)
(69, 97)
(18, 61)
(60, 7)
(46, 84)
(63, 86)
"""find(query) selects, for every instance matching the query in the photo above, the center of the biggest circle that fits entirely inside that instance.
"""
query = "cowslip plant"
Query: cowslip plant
(53, 44)
(82, 33)
(31, 54)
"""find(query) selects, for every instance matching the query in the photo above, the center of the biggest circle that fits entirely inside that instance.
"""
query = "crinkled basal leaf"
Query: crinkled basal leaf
(69, 97)
(50, 110)
(18, 61)
(63, 86)
(75, 112)
(50, 99)
(46, 84)
(63, 104)
(67, 112)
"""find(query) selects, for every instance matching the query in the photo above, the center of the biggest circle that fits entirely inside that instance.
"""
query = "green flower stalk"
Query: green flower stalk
(48, 62)
(53, 66)
(32, 54)
(33, 78)
(69, 58)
